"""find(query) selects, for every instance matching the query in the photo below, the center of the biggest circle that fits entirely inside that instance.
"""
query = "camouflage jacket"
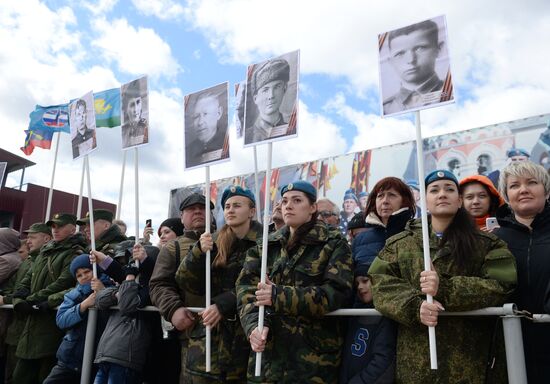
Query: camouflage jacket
(314, 278)
(108, 240)
(47, 279)
(230, 349)
(463, 343)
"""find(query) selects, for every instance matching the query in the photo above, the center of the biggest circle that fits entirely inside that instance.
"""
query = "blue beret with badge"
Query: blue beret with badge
(302, 186)
(517, 152)
(350, 195)
(236, 190)
(440, 174)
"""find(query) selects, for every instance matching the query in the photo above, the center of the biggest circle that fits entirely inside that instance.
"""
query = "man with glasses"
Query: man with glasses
(328, 212)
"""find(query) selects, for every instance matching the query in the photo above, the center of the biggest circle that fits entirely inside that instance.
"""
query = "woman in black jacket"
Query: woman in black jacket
(525, 226)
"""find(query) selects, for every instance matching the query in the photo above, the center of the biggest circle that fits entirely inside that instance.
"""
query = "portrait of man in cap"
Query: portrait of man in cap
(206, 136)
(414, 67)
(271, 99)
(135, 110)
(82, 125)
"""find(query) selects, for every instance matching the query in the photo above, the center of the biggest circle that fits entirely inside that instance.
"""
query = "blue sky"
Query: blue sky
(57, 50)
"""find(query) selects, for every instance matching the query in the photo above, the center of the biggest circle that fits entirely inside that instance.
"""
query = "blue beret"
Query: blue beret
(440, 174)
(302, 186)
(350, 195)
(363, 194)
(236, 190)
(517, 152)
(81, 261)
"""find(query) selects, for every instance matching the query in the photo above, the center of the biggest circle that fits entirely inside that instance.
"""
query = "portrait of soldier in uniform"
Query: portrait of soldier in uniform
(270, 101)
(135, 128)
(206, 138)
(414, 67)
(82, 125)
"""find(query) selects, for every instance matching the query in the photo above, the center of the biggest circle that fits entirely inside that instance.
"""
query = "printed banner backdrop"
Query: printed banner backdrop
(271, 101)
(206, 125)
(83, 128)
(134, 113)
(475, 151)
(415, 70)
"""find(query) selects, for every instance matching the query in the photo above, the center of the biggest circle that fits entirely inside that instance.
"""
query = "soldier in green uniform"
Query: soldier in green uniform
(309, 275)
(37, 236)
(107, 235)
(40, 291)
(471, 270)
(228, 247)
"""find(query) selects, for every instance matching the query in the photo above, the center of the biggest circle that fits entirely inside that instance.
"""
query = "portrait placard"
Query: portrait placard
(415, 71)
(134, 113)
(206, 126)
(271, 103)
(82, 125)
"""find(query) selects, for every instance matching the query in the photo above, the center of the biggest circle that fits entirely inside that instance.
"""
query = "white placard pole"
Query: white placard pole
(79, 204)
(208, 265)
(136, 180)
(263, 272)
(50, 194)
(257, 186)
(91, 210)
(119, 206)
(425, 229)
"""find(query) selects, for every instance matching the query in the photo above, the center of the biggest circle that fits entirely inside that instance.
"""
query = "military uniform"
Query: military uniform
(261, 130)
(406, 99)
(230, 348)
(195, 150)
(47, 281)
(81, 138)
(463, 343)
(135, 134)
(109, 240)
(313, 278)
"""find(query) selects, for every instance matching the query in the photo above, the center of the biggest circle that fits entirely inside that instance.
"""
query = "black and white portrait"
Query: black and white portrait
(239, 100)
(415, 69)
(135, 113)
(206, 122)
(271, 107)
(82, 124)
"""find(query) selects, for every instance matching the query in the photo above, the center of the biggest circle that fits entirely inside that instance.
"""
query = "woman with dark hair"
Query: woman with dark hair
(389, 207)
(471, 270)
(481, 199)
(228, 246)
(309, 274)
(525, 226)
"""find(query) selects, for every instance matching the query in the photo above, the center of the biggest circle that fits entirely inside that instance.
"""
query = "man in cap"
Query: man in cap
(135, 129)
(37, 236)
(513, 154)
(413, 53)
(165, 294)
(209, 134)
(107, 235)
(350, 208)
(39, 292)
(269, 84)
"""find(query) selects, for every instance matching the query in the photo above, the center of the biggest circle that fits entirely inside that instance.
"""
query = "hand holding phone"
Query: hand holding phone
(491, 223)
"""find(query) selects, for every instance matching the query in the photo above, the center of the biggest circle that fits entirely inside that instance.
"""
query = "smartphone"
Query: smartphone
(148, 223)
(491, 223)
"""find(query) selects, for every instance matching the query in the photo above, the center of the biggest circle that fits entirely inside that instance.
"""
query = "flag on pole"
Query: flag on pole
(54, 118)
(41, 138)
(107, 108)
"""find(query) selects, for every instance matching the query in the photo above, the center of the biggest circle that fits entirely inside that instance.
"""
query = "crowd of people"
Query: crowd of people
(312, 269)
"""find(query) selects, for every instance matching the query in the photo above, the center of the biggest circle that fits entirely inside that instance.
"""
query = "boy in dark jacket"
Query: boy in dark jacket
(72, 316)
(369, 349)
(122, 350)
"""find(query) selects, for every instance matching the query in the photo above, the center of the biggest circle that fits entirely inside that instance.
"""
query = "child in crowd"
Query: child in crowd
(72, 316)
(369, 350)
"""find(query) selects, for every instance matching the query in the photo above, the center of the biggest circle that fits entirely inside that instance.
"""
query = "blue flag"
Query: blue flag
(54, 118)
(107, 108)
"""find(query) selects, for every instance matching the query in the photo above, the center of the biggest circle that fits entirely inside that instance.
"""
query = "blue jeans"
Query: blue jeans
(111, 373)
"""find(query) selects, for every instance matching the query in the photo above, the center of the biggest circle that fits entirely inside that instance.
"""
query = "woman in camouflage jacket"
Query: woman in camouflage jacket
(471, 270)
(228, 247)
(310, 274)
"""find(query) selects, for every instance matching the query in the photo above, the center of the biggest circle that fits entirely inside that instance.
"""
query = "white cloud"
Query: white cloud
(136, 51)
(163, 9)
(100, 7)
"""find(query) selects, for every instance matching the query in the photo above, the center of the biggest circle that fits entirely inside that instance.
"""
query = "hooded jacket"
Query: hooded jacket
(9, 258)
(494, 195)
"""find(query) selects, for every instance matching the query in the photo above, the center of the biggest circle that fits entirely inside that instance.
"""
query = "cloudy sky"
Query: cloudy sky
(56, 50)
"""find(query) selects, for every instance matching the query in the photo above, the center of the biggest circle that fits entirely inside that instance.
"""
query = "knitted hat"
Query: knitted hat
(361, 270)
(174, 223)
(486, 182)
(357, 221)
(81, 261)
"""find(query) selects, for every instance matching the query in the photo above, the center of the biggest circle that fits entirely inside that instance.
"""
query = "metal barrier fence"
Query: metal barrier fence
(511, 321)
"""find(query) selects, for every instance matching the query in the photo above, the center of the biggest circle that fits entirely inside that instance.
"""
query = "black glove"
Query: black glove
(41, 306)
(130, 269)
(23, 307)
(21, 293)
